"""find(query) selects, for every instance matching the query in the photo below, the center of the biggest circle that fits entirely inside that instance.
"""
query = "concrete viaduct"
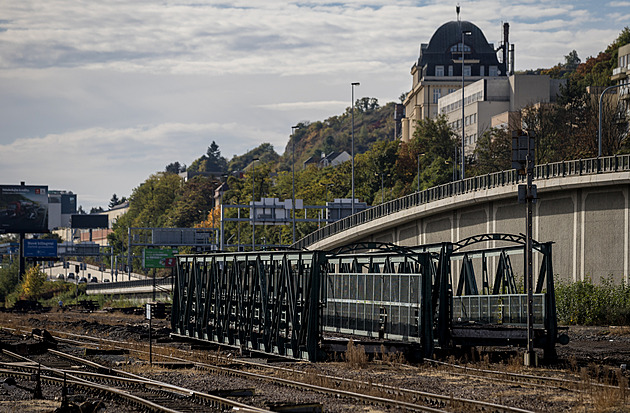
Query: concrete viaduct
(583, 206)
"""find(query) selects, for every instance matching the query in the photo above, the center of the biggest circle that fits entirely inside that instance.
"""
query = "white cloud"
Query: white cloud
(97, 98)
(336, 104)
(97, 162)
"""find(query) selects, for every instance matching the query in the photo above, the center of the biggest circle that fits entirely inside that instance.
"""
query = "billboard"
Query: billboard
(83, 221)
(23, 209)
(159, 258)
(40, 248)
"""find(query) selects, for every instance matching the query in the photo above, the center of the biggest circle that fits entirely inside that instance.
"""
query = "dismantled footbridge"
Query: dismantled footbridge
(443, 295)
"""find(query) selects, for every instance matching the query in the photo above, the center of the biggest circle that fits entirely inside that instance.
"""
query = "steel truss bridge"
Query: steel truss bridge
(285, 302)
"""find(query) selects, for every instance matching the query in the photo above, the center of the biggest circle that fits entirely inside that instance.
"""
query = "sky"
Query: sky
(97, 96)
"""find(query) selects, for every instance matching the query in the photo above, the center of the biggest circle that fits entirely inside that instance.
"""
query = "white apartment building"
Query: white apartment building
(488, 103)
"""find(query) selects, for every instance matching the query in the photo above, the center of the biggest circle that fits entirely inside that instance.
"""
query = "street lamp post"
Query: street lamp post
(419, 155)
(254, 204)
(293, 128)
(353, 84)
(599, 128)
(382, 185)
(463, 174)
(418, 173)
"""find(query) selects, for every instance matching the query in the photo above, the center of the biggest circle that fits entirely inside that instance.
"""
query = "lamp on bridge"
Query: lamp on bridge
(383, 175)
(293, 129)
(419, 155)
(254, 204)
(463, 174)
(353, 84)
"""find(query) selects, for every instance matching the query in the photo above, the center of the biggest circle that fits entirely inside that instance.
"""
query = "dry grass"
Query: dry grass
(619, 330)
(392, 359)
(355, 355)
(514, 364)
(606, 390)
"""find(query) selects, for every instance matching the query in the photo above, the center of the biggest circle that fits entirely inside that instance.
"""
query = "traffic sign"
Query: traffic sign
(159, 258)
(40, 248)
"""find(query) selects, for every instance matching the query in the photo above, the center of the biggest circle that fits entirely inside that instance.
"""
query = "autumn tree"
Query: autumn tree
(33, 283)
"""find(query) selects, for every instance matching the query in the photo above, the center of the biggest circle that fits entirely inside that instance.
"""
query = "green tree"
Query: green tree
(216, 162)
(433, 146)
(571, 61)
(264, 152)
(175, 168)
(8, 278)
(116, 201)
(193, 202)
(438, 172)
(493, 152)
(211, 161)
(149, 206)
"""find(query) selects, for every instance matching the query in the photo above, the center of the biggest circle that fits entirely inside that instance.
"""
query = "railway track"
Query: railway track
(64, 369)
(573, 384)
(360, 390)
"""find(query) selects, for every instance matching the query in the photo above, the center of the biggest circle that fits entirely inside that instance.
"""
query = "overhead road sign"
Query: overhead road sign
(159, 258)
(40, 248)
(92, 221)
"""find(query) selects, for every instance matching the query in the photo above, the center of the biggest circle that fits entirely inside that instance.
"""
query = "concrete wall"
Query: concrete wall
(528, 89)
(587, 218)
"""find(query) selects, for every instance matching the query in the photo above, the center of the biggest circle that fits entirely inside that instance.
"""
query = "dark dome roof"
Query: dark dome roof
(451, 33)
(438, 51)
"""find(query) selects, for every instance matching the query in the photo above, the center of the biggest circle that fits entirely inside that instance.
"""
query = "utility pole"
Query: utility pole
(523, 150)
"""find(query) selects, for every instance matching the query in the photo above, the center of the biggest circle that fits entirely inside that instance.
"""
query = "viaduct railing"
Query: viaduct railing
(160, 283)
(576, 167)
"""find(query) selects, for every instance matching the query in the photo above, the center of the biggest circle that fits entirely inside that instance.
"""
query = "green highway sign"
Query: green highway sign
(159, 258)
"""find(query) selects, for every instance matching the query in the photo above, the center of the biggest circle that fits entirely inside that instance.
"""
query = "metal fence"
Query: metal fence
(577, 167)
(505, 309)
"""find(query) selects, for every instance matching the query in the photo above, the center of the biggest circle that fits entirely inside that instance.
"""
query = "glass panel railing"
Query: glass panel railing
(505, 309)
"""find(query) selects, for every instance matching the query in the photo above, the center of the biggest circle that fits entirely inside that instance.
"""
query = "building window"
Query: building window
(439, 71)
(482, 70)
(458, 48)
(493, 71)
(467, 71)
(450, 71)
(437, 94)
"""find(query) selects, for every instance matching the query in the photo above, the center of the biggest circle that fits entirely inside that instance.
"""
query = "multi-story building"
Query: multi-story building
(61, 206)
(495, 102)
(439, 69)
(99, 236)
(621, 74)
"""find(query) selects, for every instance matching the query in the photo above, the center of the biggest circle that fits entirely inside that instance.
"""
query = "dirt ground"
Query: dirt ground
(607, 346)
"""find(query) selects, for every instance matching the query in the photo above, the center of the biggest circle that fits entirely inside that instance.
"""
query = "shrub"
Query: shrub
(585, 303)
